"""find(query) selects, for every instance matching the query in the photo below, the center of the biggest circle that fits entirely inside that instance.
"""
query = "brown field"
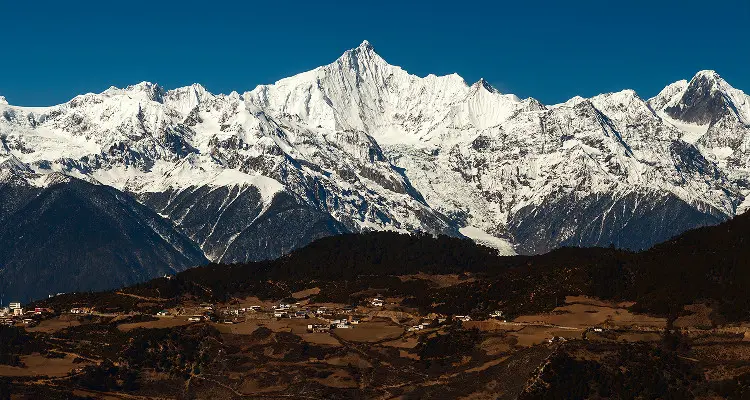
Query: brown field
(493, 325)
(306, 293)
(438, 280)
(699, 316)
(403, 343)
(292, 325)
(252, 386)
(320, 338)
(639, 337)
(370, 332)
(339, 379)
(97, 395)
(349, 359)
(406, 354)
(578, 315)
(532, 335)
(242, 328)
(162, 322)
(252, 301)
(395, 316)
(38, 365)
(496, 345)
(55, 324)
(596, 302)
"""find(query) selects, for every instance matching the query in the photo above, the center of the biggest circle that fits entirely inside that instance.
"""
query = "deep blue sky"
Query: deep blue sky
(551, 50)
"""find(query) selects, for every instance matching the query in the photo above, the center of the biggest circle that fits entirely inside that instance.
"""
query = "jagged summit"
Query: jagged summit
(707, 74)
(482, 83)
(366, 45)
(3, 101)
(363, 55)
(705, 99)
(143, 90)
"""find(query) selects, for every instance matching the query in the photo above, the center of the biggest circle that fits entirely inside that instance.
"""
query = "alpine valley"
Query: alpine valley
(114, 188)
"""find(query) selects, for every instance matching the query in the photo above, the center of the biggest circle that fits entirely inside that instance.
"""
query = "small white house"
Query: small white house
(376, 302)
(195, 318)
(318, 328)
(464, 318)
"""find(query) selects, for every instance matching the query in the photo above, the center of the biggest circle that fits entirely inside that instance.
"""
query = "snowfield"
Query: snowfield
(360, 145)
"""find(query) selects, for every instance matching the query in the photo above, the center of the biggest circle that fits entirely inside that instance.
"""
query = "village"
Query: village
(371, 320)
(341, 339)
(15, 314)
(314, 318)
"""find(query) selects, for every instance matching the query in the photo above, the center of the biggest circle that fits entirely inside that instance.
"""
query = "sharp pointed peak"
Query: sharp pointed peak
(3, 100)
(363, 52)
(364, 48)
(483, 84)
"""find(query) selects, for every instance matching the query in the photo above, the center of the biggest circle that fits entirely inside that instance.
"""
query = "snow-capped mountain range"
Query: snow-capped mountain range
(360, 144)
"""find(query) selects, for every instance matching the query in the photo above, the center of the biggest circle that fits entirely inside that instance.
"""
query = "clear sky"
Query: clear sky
(51, 51)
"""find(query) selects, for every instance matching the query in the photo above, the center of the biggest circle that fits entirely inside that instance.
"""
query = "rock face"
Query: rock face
(59, 233)
(360, 145)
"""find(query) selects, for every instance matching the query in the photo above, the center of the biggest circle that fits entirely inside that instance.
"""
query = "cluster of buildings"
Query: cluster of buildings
(81, 310)
(327, 317)
(342, 323)
(15, 314)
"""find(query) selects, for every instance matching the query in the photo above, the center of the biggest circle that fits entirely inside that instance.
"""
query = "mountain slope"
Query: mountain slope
(361, 145)
(491, 161)
(60, 234)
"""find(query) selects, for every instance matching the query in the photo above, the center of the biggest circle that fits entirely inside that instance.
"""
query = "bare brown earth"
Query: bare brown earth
(162, 322)
(306, 293)
(370, 332)
(580, 312)
(38, 365)
(265, 357)
(439, 280)
(55, 324)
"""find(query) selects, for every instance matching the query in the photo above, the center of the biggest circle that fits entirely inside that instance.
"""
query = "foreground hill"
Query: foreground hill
(706, 264)
(383, 315)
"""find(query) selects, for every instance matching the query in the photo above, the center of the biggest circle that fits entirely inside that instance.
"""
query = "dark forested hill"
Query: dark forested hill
(72, 234)
(707, 264)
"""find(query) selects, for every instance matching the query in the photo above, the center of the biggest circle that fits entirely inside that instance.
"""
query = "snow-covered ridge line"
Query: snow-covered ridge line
(360, 144)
